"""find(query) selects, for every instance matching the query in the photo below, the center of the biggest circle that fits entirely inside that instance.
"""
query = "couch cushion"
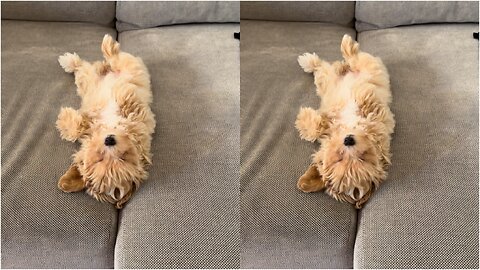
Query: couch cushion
(71, 11)
(187, 213)
(281, 226)
(138, 15)
(426, 214)
(42, 227)
(378, 15)
(315, 11)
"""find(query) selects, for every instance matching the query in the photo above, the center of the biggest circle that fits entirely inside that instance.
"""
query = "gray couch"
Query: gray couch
(426, 214)
(187, 213)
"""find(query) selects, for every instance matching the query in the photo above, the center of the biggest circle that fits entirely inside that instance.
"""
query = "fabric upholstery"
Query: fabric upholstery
(378, 15)
(139, 15)
(42, 227)
(315, 11)
(426, 214)
(72, 11)
(281, 226)
(187, 213)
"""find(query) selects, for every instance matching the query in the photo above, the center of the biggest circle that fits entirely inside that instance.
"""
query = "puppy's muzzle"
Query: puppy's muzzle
(110, 141)
(349, 141)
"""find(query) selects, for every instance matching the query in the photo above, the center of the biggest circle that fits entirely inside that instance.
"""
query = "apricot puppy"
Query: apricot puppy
(114, 125)
(353, 124)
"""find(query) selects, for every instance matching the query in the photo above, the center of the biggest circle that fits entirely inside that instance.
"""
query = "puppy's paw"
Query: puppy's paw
(349, 47)
(307, 124)
(110, 47)
(309, 62)
(68, 123)
(69, 62)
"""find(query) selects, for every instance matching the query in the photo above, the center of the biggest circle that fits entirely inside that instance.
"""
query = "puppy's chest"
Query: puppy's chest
(344, 98)
(109, 111)
(110, 114)
(349, 114)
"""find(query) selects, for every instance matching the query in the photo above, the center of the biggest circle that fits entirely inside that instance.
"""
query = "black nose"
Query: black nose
(110, 140)
(349, 141)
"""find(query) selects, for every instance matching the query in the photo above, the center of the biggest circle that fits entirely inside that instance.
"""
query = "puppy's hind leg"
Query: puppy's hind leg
(120, 61)
(349, 47)
(86, 74)
(359, 61)
(325, 74)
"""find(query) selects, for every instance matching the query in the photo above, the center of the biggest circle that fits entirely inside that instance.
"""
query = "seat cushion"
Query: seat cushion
(378, 15)
(139, 15)
(281, 226)
(100, 12)
(187, 213)
(42, 227)
(426, 214)
(339, 12)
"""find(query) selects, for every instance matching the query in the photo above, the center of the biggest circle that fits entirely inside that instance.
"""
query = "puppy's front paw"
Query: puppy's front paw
(68, 123)
(69, 62)
(307, 124)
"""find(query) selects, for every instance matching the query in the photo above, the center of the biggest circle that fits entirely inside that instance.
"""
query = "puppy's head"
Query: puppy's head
(353, 157)
(110, 162)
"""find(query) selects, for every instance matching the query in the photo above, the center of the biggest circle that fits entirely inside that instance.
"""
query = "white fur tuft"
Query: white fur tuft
(69, 62)
(309, 62)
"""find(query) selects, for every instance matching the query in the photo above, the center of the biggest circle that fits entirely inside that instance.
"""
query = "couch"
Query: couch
(426, 213)
(186, 215)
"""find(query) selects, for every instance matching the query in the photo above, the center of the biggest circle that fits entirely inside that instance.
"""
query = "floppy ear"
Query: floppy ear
(311, 180)
(385, 153)
(146, 158)
(72, 180)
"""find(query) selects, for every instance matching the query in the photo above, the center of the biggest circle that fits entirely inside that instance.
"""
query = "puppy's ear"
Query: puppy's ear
(72, 180)
(311, 180)
(385, 155)
(146, 158)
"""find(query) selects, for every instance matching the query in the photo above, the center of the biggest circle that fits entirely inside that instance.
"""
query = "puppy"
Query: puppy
(114, 125)
(354, 125)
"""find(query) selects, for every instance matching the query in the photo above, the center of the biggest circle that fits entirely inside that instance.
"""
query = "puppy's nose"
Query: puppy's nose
(110, 140)
(349, 141)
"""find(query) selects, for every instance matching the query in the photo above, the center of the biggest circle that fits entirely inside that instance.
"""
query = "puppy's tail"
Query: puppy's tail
(309, 62)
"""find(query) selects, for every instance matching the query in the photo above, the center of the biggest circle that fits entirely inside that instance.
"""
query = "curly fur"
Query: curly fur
(355, 97)
(115, 102)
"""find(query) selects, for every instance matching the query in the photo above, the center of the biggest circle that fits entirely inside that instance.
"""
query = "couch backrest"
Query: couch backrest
(316, 11)
(93, 11)
(378, 15)
(138, 15)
